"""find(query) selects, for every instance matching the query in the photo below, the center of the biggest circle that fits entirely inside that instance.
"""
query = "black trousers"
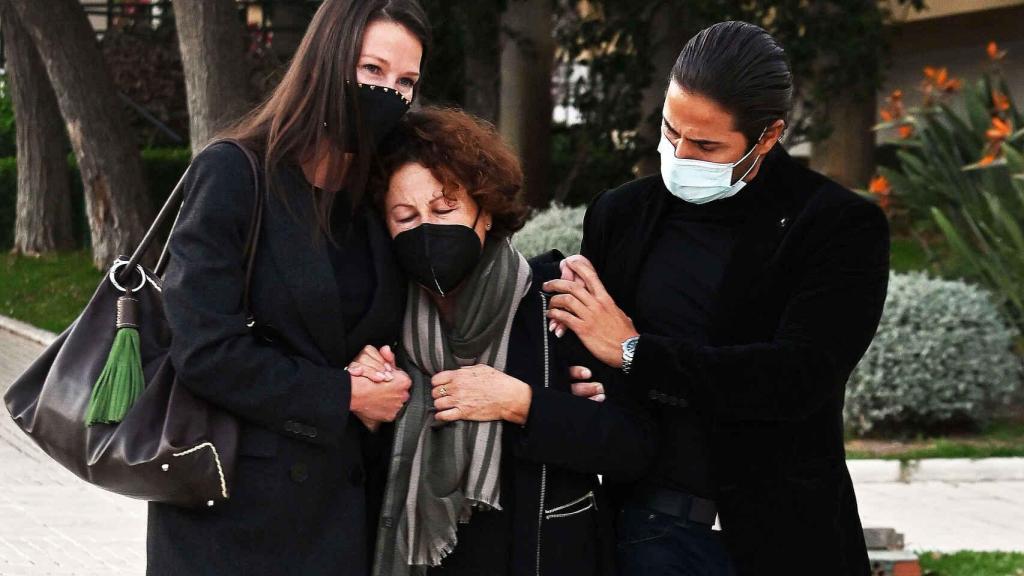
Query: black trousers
(654, 544)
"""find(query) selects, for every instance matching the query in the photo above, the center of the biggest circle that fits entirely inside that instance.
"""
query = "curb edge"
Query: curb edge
(27, 331)
(955, 470)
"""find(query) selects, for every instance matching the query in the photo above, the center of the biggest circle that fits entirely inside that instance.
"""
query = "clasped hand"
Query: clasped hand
(475, 393)
(379, 388)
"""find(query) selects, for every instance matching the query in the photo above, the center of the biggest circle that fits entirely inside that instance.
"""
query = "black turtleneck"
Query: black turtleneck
(675, 297)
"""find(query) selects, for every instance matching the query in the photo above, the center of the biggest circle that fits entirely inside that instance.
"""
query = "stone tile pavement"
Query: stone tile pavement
(947, 516)
(53, 524)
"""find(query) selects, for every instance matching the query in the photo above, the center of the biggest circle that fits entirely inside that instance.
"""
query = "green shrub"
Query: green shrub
(943, 357)
(162, 167)
(558, 227)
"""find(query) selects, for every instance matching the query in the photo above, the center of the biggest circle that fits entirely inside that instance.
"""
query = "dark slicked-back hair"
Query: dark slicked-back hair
(743, 69)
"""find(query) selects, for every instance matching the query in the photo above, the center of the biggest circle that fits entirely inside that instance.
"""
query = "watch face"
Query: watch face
(630, 345)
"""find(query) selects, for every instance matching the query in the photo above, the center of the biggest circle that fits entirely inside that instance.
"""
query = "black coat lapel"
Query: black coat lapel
(306, 269)
(757, 241)
(625, 262)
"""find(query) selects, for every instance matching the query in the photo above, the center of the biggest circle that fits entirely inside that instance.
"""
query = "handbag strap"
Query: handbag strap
(176, 197)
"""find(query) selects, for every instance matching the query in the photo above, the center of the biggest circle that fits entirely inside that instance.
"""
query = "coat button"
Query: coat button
(356, 476)
(299, 472)
(652, 394)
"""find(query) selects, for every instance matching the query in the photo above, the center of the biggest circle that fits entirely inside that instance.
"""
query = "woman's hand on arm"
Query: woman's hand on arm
(480, 393)
(583, 388)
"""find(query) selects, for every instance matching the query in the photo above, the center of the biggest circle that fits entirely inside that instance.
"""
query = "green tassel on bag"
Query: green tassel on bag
(121, 382)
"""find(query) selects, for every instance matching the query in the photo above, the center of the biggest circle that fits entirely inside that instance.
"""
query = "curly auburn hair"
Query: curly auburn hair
(464, 153)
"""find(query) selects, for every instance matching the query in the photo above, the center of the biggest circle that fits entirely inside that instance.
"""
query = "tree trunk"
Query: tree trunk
(848, 154)
(669, 33)
(108, 157)
(482, 58)
(213, 55)
(43, 213)
(527, 58)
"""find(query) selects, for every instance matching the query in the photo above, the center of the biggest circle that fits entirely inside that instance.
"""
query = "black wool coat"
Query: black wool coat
(298, 505)
(562, 519)
(559, 518)
(798, 305)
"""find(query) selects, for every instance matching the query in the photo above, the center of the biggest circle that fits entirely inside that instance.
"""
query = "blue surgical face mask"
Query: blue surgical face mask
(698, 181)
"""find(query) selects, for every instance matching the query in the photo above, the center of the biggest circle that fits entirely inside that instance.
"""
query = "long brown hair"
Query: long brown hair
(309, 105)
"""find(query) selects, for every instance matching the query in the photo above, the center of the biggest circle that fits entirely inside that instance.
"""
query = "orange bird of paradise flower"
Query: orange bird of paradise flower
(994, 53)
(893, 110)
(1000, 129)
(997, 133)
(894, 107)
(880, 187)
(939, 78)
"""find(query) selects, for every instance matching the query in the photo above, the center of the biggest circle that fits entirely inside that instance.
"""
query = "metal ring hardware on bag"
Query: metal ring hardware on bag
(51, 401)
(113, 276)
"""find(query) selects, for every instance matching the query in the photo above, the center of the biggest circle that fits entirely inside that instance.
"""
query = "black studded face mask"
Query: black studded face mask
(439, 256)
(381, 109)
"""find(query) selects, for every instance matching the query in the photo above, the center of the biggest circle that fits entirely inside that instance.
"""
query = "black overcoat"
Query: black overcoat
(798, 305)
(562, 518)
(298, 504)
(558, 520)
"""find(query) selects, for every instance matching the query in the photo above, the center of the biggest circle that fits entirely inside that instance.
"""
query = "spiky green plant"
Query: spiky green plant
(962, 172)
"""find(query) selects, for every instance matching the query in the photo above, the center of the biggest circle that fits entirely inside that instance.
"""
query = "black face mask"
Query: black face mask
(381, 109)
(439, 256)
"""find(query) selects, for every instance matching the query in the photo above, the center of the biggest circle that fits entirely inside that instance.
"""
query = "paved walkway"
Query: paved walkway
(948, 516)
(53, 524)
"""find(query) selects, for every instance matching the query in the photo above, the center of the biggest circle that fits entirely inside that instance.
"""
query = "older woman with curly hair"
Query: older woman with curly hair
(494, 463)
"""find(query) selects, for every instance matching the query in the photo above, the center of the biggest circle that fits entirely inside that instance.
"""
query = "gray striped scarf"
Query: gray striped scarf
(439, 473)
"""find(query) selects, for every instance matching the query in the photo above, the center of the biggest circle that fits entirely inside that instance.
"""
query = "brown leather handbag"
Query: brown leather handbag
(170, 446)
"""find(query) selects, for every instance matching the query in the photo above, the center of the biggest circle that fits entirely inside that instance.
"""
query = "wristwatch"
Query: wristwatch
(628, 351)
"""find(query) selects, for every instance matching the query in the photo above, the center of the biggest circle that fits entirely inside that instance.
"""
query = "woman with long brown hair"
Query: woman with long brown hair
(325, 286)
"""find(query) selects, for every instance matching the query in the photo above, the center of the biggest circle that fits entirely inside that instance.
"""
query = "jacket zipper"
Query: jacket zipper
(558, 511)
(547, 383)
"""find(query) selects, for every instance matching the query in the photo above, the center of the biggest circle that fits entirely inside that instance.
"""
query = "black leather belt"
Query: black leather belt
(675, 503)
